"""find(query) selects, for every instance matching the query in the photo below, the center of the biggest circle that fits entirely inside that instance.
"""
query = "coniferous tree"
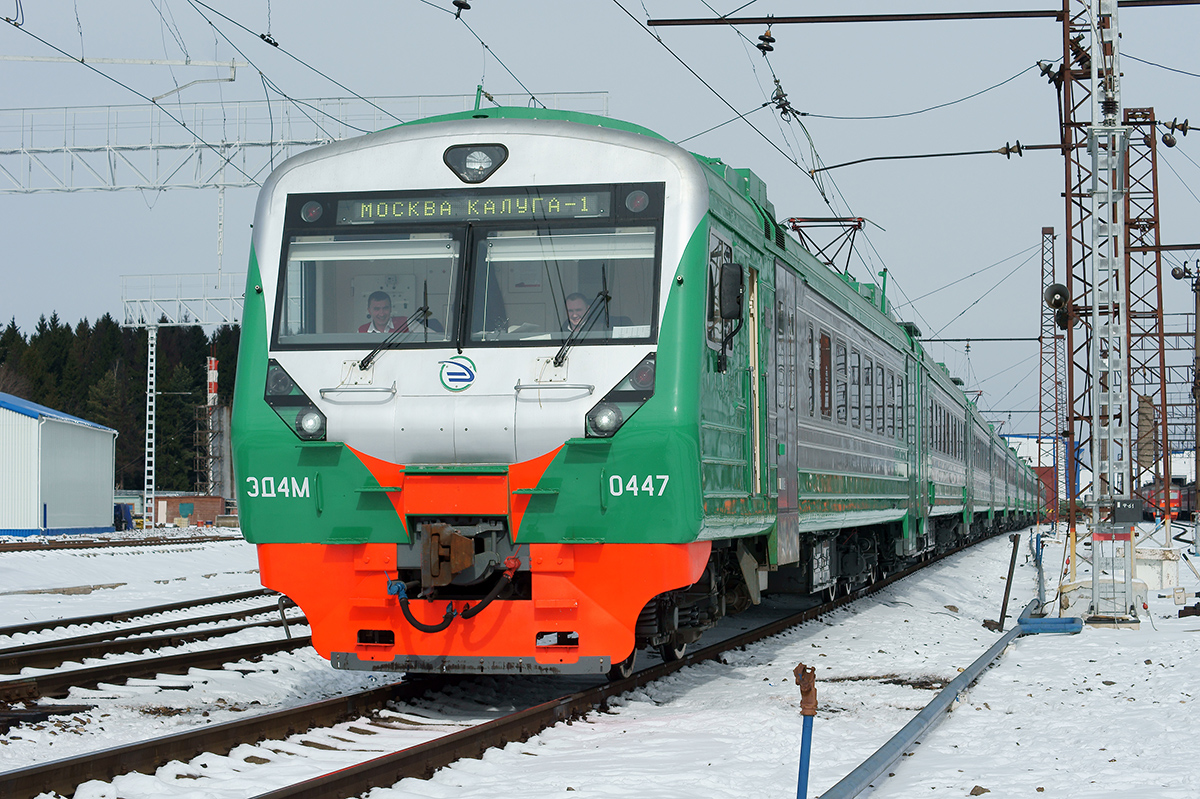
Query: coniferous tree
(12, 344)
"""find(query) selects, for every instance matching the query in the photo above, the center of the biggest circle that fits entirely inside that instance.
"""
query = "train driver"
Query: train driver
(577, 306)
(379, 311)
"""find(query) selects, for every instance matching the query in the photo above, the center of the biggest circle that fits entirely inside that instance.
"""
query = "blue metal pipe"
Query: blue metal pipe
(870, 769)
(805, 754)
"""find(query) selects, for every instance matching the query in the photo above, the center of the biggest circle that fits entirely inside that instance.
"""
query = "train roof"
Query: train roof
(520, 112)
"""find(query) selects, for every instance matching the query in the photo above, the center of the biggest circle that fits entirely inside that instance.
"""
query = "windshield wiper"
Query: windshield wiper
(585, 324)
(420, 317)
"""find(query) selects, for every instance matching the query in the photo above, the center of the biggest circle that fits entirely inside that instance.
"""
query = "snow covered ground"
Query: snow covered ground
(1102, 713)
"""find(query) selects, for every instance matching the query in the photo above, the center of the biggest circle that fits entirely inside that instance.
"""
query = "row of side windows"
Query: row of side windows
(945, 433)
(851, 387)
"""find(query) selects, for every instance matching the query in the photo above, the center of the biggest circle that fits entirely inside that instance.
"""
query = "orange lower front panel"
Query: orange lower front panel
(595, 591)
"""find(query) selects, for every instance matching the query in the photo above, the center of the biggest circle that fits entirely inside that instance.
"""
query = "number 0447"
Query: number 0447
(652, 485)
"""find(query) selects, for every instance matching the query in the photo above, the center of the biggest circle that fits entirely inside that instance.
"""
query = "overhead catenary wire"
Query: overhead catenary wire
(973, 274)
(706, 84)
(923, 110)
(270, 84)
(1180, 177)
(1125, 55)
(723, 124)
(290, 55)
(790, 117)
(981, 297)
(200, 139)
(458, 16)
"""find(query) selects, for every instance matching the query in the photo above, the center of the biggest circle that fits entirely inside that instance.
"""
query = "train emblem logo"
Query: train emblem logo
(458, 373)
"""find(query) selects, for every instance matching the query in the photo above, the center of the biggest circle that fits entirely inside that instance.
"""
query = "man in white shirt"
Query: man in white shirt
(379, 309)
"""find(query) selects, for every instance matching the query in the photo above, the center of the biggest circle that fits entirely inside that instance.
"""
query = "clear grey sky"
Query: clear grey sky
(934, 220)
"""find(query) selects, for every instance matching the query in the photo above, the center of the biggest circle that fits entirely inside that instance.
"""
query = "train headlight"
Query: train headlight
(475, 163)
(604, 420)
(610, 413)
(292, 405)
(310, 423)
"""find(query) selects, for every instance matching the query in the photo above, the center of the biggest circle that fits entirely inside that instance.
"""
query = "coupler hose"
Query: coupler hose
(428, 628)
(397, 589)
(511, 566)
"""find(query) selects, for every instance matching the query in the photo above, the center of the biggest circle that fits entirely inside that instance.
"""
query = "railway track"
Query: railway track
(136, 613)
(419, 760)
(52, 653)
(94, 543)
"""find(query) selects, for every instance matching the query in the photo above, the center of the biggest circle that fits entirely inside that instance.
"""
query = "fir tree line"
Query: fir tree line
(98, 372)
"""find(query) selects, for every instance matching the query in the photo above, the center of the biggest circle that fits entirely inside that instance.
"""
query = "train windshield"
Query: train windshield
(354, 291)
(548, 284)
(508, 267)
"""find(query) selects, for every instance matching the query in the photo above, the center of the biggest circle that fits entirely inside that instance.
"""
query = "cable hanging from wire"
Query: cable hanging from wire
(285, 51)
(269, 83)
(706, 84)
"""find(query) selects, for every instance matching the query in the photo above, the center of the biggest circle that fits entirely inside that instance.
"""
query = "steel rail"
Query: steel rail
(48, 657)
(124, 632)
(932, 714)
(423, 760)
(58, 684)
(63, 776)
(127, 615)
(122, 542)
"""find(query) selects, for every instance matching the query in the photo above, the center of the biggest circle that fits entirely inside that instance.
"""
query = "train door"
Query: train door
(786, 371)
(753, 372)
(914, 531)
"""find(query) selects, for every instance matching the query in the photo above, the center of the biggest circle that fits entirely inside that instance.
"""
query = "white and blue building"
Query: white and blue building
(56, 471)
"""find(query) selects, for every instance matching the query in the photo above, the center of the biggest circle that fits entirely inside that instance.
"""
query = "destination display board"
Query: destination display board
(523, 205)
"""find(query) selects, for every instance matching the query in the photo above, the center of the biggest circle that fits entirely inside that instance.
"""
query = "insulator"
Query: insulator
(462, 5)
(1176, 125)
(1109, 106)
(765, 42)
(1010, 149)
(1168, 140)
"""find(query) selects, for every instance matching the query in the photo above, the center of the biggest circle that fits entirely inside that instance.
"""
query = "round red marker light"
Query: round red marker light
(637, 201)
(311, 211)
(643, 376)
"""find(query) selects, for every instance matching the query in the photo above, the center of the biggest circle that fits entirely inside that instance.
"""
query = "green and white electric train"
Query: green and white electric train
(527, 391)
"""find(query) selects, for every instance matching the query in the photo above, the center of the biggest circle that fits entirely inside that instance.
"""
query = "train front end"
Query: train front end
(465, 423)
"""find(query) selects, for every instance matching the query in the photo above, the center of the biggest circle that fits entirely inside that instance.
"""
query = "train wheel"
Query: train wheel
(672, 652)
(624, 669)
